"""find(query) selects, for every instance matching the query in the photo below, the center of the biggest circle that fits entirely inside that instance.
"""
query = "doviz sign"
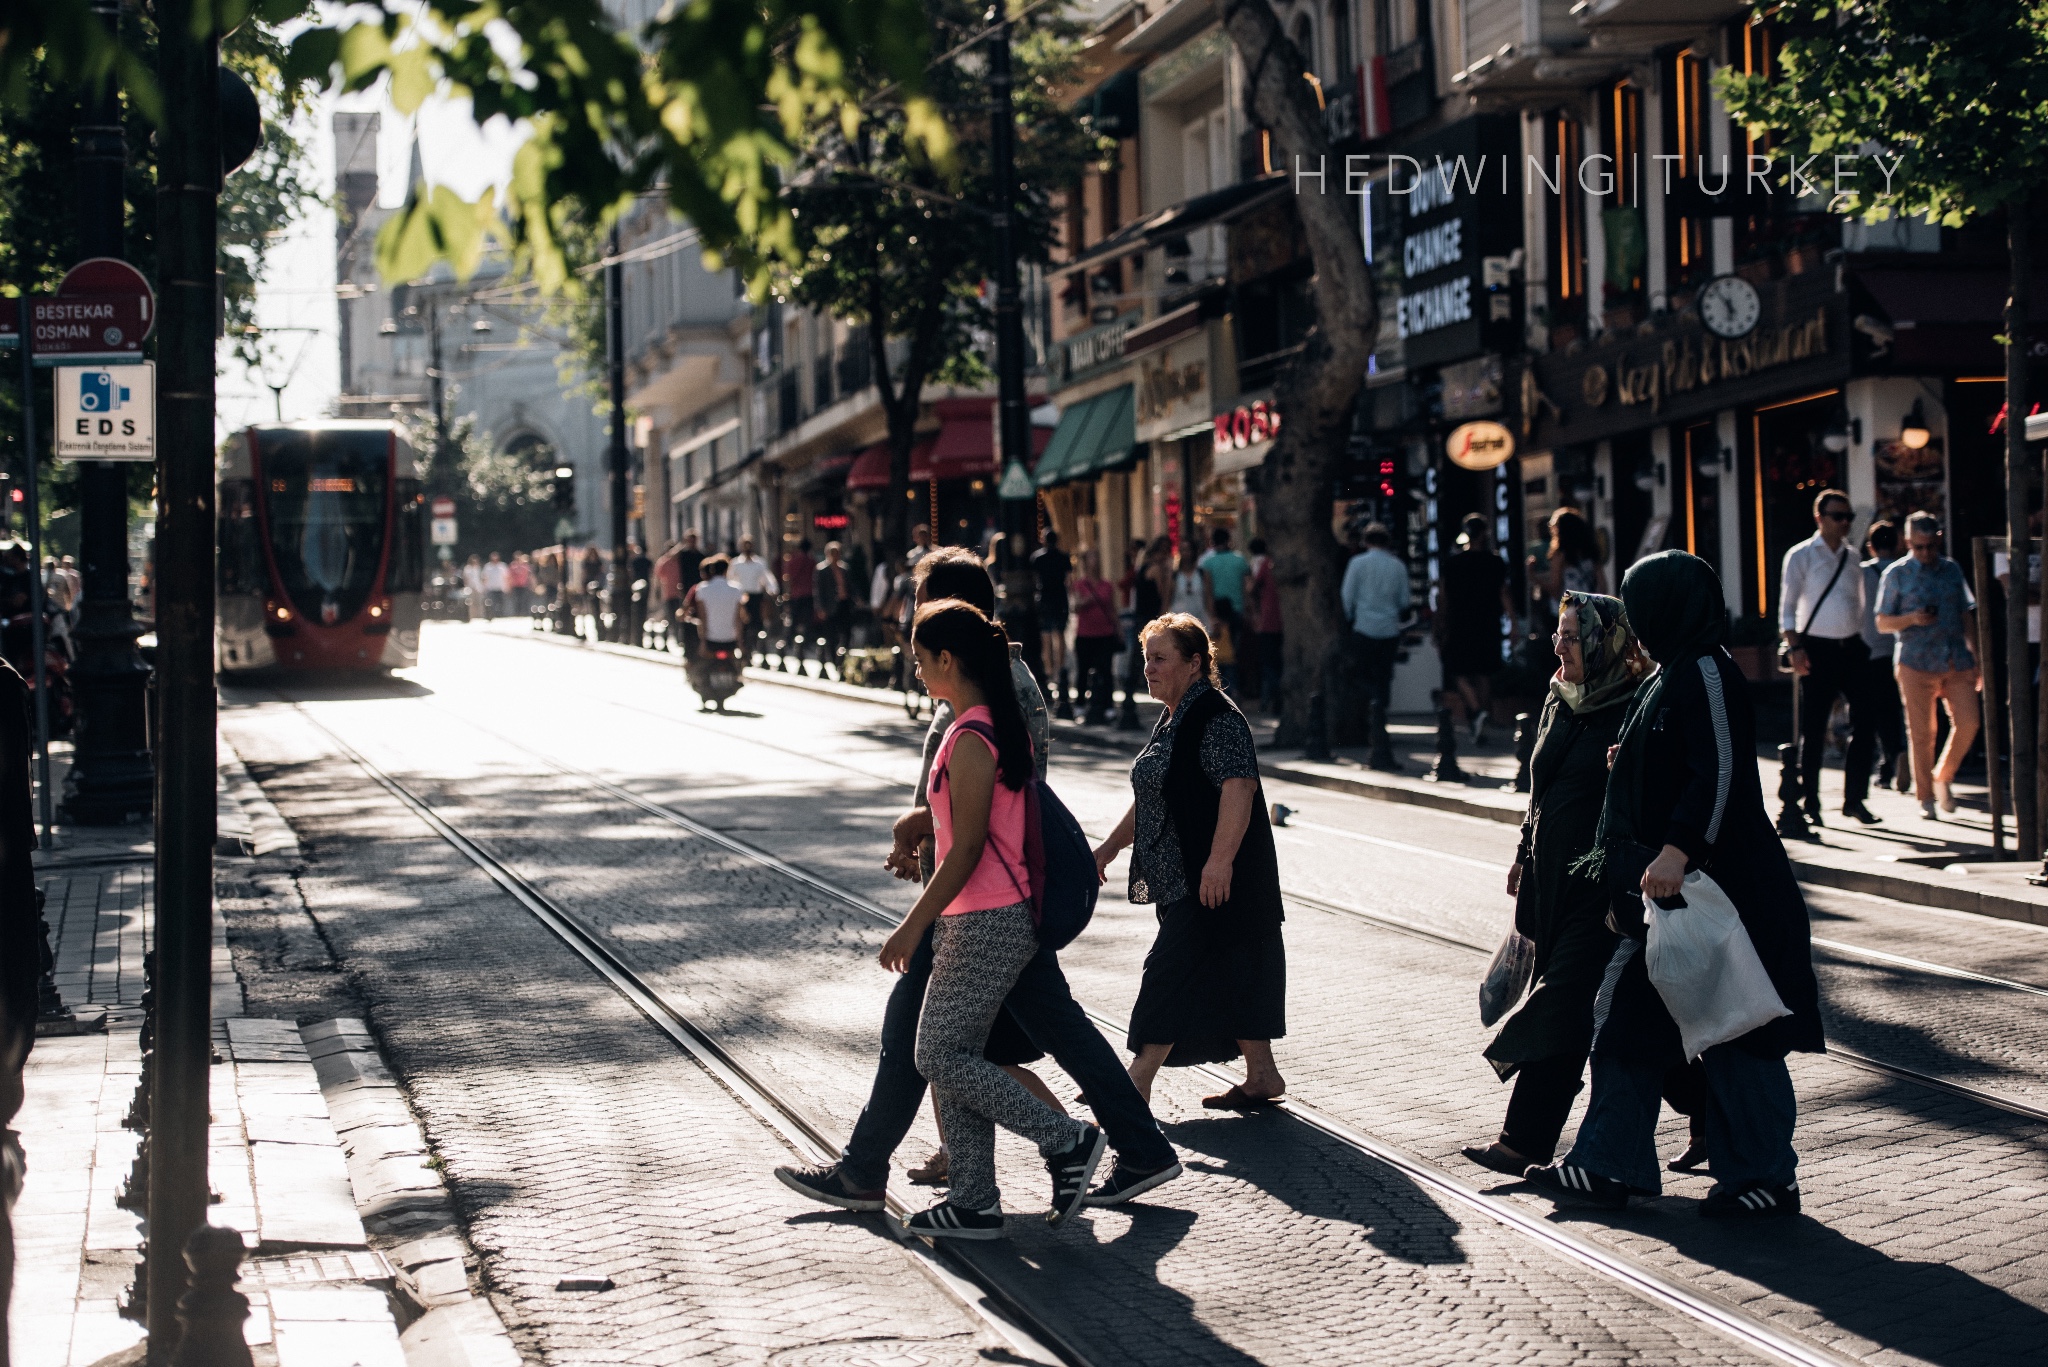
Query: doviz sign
(106, 412)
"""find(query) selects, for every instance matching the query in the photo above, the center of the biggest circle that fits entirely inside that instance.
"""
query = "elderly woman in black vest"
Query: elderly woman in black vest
(1215, 983)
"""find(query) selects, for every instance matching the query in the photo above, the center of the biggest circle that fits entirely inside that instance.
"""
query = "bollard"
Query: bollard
(1525, 750)
(211, 1312)
(1791, 823)
(1445, 769)
(1317, 744)
(1382, 756)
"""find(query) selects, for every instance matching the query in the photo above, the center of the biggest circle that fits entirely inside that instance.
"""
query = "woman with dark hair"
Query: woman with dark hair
(1215, 983)
(1543, 1045)
(978, 907)
(1574, 559)
(1683, 794)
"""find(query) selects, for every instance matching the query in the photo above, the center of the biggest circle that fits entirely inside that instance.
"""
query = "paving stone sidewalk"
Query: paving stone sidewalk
(319, 1293)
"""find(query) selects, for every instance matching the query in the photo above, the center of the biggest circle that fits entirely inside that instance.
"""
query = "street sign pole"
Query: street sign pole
(1019, 498)
(35, 541)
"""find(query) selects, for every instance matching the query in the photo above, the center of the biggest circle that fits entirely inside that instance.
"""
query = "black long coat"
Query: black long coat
(1563, 913)
(1701, 793)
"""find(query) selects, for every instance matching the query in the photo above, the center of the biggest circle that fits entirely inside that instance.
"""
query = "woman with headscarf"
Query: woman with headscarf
(1543, 1046)
(1683, 794)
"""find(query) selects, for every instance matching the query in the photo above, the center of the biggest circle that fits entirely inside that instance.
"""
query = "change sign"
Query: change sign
(106, 412)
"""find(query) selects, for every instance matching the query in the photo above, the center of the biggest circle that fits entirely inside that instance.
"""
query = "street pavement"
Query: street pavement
(576, 1139)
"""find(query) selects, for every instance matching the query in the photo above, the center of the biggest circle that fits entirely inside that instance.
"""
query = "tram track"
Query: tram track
(957, 1266)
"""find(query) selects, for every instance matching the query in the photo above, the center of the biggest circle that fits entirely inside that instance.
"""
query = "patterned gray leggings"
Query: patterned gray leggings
(976, 958)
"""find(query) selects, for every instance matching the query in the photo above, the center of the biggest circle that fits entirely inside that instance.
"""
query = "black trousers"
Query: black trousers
(1840, 668)
(1887, 711)
(1092, 658)
(1376, 658)
(1546, 1087)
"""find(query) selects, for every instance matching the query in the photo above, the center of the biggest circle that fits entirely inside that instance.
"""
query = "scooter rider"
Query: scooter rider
(714, 606)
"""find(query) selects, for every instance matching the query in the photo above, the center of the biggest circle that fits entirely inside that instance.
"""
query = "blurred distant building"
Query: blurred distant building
(498, 354)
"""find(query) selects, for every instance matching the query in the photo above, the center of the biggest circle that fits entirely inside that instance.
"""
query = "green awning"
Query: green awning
(1094, 435)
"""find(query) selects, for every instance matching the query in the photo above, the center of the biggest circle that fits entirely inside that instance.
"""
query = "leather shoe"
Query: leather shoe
(1859, 812)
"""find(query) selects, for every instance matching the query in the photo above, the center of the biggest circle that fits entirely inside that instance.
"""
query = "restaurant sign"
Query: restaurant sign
(1173, 389)
(1677, 371)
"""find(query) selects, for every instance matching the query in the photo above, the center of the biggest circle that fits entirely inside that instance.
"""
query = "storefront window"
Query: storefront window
(1699, 486)
(1688, 249)
(1789, 463)
(1781, 236)
(1565, 211)
(1621, 215)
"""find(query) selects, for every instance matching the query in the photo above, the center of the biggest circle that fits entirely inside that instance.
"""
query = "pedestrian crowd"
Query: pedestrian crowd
(1646, 819)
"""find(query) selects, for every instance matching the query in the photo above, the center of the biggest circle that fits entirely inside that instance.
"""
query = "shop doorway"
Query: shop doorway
(1699, 494)
(1789, 464)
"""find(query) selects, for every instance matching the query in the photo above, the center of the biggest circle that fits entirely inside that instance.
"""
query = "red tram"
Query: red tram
(322, 548)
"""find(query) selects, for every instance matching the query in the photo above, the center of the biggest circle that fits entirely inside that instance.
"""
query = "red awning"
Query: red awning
(871, 468)
(966, 448)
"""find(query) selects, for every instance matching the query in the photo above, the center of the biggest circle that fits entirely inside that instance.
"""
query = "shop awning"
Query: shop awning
(1179, 220)
(871, 467)
(826, 474)
(1094, 435)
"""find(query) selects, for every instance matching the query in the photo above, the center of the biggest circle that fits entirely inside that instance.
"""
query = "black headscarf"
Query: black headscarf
(1674, 603)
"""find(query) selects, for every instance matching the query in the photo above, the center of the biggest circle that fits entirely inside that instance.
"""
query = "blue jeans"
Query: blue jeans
(1045, 1007)
(1749, 1120)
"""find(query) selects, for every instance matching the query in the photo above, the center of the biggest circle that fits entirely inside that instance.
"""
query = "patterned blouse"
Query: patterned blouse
(1157, 874)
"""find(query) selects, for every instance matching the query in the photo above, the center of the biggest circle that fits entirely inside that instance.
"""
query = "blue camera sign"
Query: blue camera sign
(106, 412)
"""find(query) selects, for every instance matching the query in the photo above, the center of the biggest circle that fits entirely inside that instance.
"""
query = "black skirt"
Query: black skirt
(1209, 982)
(1008, 1044)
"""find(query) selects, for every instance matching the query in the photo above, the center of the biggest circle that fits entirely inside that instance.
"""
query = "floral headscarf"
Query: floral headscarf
(1604, 641)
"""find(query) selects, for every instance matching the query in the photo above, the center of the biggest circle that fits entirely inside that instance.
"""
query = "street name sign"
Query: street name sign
(106, 412)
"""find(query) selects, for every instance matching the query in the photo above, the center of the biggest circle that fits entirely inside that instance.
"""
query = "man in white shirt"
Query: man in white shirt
(1376, 597)
(1820, 612)
(494, 586)
(753, 577)
(715, 604)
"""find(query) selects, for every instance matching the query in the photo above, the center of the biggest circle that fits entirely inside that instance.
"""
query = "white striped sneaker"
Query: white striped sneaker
(1750, 1201)
(948, 1221)
(1578, 1186)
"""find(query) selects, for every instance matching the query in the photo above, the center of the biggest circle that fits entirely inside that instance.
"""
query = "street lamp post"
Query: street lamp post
(615, 377)
(1019, 498)
(111, 780)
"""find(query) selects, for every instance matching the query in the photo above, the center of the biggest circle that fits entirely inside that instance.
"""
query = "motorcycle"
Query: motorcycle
(715, 674)
(20, 652)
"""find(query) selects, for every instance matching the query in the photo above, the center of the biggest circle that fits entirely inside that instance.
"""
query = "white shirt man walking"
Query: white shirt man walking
(1820, 612)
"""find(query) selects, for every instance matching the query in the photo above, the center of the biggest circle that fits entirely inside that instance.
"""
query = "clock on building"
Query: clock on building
(1729, 306)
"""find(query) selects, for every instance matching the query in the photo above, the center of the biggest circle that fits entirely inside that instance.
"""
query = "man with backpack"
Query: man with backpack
(1041, 1001)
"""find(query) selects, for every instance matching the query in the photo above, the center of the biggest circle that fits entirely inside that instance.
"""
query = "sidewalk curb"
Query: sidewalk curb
(1890, 886)
(404, 1204)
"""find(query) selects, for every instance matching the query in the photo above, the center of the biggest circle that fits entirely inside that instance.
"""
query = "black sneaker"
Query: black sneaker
(1578, 1186)
(829, 1185)
(1124, 1183)
(1072, 1170)
(1750, 1201)
(948, 1221)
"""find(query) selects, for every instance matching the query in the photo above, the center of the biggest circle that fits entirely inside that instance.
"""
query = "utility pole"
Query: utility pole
(615, 376)
(188, 190)
(1013, 427)
(437, 383)
(110, 780)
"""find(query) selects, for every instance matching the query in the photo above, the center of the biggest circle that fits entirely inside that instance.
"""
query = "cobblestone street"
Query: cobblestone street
(584, 1149)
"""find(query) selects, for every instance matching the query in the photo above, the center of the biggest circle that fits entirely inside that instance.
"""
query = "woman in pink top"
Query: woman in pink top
(980, 898)
(1096, 636)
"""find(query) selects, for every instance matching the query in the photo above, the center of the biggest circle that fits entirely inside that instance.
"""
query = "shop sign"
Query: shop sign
(1173, 389)
(1246, 425)
(1479, 446)
(1098, 346)
(831, 522)
(1437, 235)
(1680, 371)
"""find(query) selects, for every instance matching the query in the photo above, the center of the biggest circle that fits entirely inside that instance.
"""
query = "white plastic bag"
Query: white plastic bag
(1507, 977)
(1702, 964)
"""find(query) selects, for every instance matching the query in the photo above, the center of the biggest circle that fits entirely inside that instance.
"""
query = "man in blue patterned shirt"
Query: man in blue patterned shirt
(1924, 600)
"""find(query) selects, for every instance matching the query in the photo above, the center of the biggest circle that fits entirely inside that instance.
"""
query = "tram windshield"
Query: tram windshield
(325, 492)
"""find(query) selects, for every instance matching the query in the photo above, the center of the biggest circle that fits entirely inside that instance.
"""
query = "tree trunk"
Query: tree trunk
(1315, 396)
(901, 400)
(2018, 677)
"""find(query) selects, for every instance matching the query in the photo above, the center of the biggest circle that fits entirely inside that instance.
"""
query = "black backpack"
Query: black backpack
(1059, 862)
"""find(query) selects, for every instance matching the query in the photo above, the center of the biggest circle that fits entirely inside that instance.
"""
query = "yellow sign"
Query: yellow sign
(1480, 445)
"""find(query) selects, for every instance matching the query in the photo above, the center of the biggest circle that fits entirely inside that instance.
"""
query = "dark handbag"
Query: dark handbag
(1785, 647)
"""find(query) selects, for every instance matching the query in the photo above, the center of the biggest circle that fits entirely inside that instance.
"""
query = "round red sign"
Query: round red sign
(103, 276)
